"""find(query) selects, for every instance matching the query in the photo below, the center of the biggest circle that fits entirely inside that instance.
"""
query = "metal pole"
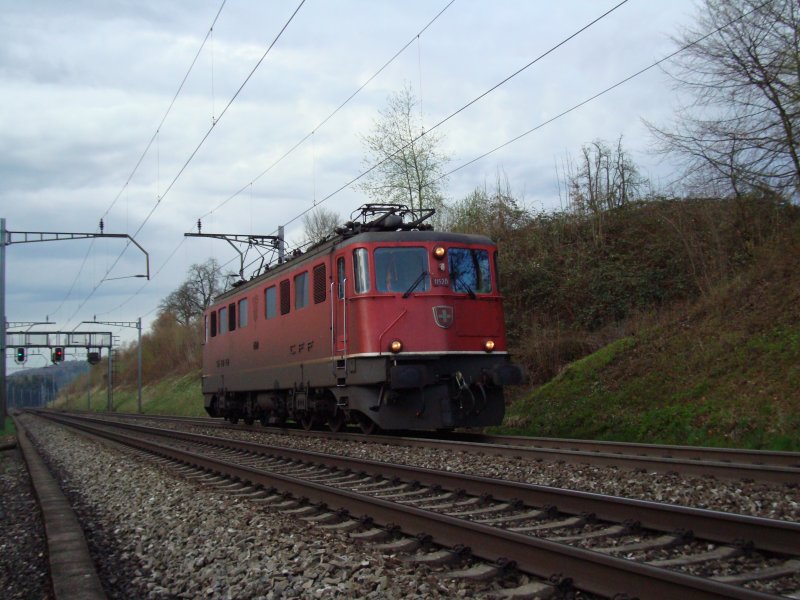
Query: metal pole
(89, 390)
(139, 357)
(109, 379)
(3, 321)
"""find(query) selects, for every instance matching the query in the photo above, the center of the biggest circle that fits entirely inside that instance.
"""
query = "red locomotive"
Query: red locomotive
(388, 325)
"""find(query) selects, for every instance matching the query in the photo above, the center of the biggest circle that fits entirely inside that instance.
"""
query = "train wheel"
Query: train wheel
(337, 422)
(233, 420)
(306, 422)
(264, 420)
(249, 420)
(368, 426)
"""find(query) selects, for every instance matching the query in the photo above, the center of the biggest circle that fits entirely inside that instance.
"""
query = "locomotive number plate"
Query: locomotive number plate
(441, 282)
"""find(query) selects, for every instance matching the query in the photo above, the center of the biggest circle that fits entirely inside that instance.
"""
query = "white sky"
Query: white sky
(84, 85)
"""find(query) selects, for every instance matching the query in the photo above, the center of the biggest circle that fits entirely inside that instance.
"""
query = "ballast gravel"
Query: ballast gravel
(155, 536)
(771, 500)
(23, 550)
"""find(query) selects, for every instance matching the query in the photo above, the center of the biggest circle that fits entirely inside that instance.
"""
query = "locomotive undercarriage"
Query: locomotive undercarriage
(412, 392)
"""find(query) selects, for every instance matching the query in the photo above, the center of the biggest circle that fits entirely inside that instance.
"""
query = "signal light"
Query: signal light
(20, 355)
(489, 345)
(396, 346)
(93, 358)
(58, 355)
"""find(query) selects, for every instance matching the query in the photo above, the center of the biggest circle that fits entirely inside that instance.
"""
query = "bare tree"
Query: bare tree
(409, 164)
(319, 223)
(740, 132)
(602, 179)
(203, 282)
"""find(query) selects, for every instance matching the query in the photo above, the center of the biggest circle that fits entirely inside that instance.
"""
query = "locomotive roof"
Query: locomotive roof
(360, 238)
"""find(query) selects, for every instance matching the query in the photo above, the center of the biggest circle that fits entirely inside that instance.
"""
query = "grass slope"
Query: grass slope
(725, 372)
(172, 395)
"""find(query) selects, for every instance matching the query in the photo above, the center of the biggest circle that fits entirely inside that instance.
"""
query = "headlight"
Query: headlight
(439, 252)
(396, 346)
(488, 345)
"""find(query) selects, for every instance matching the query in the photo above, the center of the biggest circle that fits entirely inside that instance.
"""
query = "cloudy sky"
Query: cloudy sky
(85, 85)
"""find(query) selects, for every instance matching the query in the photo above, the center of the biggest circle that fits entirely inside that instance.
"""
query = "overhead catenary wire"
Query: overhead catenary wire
(441, 122)
(331, 115)
(560, 115)
(144, 153)
(539, 126)
(191, 156)
(169, 109)
(461, 109)
(297, 145)
(598, 94)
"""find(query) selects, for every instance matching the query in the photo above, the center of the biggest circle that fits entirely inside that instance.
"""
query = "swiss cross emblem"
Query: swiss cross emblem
(443, 316)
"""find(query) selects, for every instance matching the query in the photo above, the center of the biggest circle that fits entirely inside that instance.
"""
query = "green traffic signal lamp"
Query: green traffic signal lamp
(20, 355)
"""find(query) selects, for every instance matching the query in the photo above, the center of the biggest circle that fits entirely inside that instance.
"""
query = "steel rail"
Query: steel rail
(590, 571)
(766, 534)
(729, 463)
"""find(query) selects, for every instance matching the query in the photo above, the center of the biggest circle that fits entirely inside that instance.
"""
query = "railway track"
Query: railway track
(605, 545)
(724, 463)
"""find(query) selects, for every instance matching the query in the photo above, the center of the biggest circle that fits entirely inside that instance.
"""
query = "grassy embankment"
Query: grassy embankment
(171, 395)
(722, 371)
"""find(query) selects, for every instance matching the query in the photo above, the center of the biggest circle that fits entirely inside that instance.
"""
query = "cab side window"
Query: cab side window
(271, 302)
(361, 270)
(340, 276)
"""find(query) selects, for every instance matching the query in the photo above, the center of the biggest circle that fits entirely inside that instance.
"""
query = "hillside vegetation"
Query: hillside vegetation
(724, 370)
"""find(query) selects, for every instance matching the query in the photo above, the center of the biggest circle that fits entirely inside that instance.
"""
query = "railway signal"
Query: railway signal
(20, 355)
(58, 355)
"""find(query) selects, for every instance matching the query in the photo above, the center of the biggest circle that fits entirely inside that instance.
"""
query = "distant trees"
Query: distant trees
(601, 179)
(409, 165)
(203, 282)
(740, 133)
(319, 223)
(493, 212)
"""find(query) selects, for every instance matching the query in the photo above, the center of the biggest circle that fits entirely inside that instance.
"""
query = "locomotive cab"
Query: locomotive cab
(426, 325)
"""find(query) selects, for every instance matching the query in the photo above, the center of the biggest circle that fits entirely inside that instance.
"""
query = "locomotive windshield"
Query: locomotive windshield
(398, 269)
(469, 271)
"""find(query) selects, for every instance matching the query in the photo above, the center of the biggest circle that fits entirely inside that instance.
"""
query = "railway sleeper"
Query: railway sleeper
(721, 553)
(790, 567)
(662, 541)
(578, 521)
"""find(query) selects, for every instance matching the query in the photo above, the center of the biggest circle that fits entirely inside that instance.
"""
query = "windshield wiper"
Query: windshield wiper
(458, 281)
(414, 285)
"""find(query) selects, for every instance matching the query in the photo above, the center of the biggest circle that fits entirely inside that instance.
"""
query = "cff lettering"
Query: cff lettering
(301, 347)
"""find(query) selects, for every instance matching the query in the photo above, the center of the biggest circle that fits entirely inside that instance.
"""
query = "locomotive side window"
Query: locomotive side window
(497, 273)
(401, 270)
(319, 283)
(242, 313)
(301, 290)
(232, 316)
(214, 324)
(271, 302)
(361, 270)
(286, 302)
(469, 271)
(340, 276)
(223, 319)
